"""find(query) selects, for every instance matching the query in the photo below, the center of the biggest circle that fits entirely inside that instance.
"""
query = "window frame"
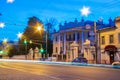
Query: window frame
(111, 38)
(102, 40)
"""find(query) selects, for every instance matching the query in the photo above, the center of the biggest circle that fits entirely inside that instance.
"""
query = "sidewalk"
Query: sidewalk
(61, 63)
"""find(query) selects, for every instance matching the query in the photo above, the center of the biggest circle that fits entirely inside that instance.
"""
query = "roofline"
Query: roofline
(106, 29)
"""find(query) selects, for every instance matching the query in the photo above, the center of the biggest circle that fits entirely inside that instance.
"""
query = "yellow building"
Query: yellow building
(109, 40)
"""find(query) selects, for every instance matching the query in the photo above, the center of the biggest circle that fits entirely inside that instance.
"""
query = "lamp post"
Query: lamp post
(95, 42)
(85, 11)
(46, 41)
(39, 28)
(25, 42)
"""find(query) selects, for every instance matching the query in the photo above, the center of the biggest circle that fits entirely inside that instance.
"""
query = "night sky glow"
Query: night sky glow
(15, 13)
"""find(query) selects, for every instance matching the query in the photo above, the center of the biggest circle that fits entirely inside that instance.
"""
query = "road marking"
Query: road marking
(23, 69)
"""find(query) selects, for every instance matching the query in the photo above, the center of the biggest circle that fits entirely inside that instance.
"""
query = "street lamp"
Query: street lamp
(2, 25)
(25, 42)
(85, 11)
(5, 40)
(19, 35)
(10, 1)
(39, 28)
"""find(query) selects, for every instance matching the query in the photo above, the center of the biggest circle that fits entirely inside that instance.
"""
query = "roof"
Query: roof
(82, 23)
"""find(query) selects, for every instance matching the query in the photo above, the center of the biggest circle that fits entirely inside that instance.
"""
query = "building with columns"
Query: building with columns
(77, 38)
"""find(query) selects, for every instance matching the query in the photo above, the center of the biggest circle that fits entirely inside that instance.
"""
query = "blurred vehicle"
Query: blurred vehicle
(80, 60)
(54, 58)
(0, 56)
(48, 59)
(117, 63)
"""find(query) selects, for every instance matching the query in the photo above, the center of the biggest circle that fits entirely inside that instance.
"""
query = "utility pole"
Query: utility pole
(46, 41)
(95, 42)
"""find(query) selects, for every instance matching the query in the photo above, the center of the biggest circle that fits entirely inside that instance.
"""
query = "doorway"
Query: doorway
(111, 54)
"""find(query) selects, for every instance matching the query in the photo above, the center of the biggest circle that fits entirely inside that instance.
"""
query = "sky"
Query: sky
(18, 11)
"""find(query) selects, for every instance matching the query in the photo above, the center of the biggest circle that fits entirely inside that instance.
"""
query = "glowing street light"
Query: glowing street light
(39, 28)
(10, 1)
(2, 25)
(85, 11)
(5, 40)
(19, 35)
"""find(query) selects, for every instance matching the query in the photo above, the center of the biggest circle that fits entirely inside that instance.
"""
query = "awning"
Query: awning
(110, 48)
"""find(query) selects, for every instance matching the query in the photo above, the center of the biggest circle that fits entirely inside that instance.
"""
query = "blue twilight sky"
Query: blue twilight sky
(19, 11)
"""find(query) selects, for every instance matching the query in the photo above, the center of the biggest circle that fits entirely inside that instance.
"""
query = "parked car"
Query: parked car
(48, 59)
(117, 63)
(80, 60)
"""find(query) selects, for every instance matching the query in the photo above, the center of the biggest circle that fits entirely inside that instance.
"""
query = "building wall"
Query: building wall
(106, 33)
(68, 36)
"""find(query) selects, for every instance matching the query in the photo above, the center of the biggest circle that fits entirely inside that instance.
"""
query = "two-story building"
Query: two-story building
(110, 42)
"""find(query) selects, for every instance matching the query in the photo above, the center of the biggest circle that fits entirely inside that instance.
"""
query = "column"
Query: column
(76, 52)
(76, 37)
(59, 43)
(64, 43)
(82, 38)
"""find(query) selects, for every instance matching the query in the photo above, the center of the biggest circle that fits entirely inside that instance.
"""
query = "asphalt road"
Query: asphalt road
(36, 71)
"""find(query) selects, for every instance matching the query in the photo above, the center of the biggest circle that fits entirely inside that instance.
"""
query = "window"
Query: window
(73, 36)
(103, 39)
(61, 49)
(111, 39)
(55, 38)
(78, 36)
(119, 37)
(61, 38)
(88, 33)
(56, 50)
(67, 37)
(70, 37)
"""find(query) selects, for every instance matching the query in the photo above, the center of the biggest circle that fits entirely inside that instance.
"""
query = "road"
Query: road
(38, 71)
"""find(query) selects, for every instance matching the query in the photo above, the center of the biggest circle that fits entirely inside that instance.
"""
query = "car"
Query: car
(117, 63)
(48, 59)
(54, 58)
(80, 60)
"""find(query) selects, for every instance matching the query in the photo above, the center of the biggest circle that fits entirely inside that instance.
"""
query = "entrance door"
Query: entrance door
(111, 57)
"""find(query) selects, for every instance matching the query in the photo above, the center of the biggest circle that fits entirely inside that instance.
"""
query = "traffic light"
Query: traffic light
(25, 41)
(41, 50)
(1, 51)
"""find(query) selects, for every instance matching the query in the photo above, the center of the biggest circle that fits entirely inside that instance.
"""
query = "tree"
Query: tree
(31, 33)
(50, 27)
(11, 51)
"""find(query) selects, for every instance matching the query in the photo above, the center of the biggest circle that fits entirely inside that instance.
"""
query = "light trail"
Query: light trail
(60, 63)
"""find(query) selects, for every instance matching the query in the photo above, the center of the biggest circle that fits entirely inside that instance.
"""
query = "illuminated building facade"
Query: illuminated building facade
(110, 42)
(77, 39)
